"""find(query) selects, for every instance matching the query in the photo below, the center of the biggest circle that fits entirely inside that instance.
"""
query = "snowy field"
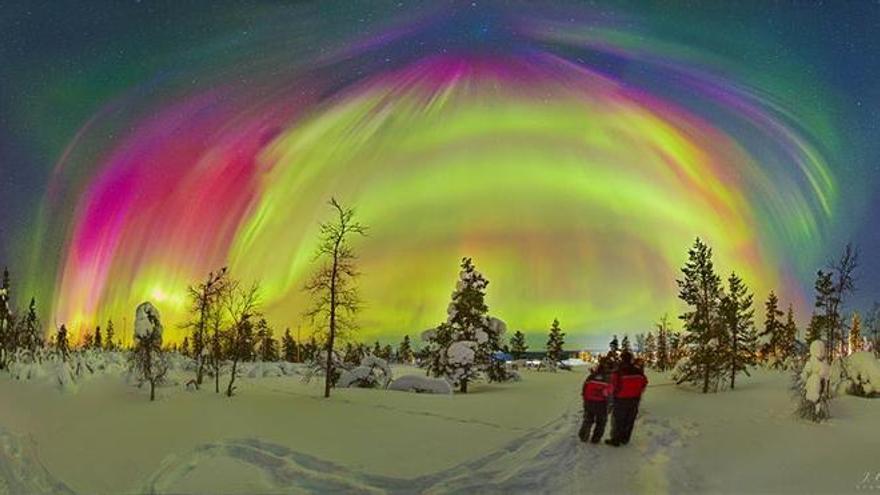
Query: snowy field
(279, 436)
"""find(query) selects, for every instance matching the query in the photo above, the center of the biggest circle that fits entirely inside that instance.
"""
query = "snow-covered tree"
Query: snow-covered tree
(555, 342)
(855, 333)
(62, 345)
(7, 323)
(518, 346)
(700, 289)
(614, 348)
(812, 385)
(404, 351)
(462, 348)
(148, 361)
(737, 317)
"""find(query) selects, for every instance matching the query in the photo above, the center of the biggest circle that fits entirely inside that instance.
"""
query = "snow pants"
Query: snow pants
(595, 417)
(624, 417)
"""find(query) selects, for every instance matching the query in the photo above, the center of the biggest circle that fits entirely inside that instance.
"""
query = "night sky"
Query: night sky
(574, 150)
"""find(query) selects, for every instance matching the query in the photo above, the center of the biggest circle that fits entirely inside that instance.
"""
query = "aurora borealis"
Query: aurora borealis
(573, 151)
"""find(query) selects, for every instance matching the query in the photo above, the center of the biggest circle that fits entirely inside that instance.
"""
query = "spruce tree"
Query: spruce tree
(30, 331)
(772, 335)
(98, 343)
(814, 329)
(650, 353)
(404, 351)
(518, 346)
(462, 347)
(288, 347)
(700, 289)
(62, 345)
(624, 344)
(267, 346)
(855, 334)
(789, 334)
(555, 341)
(640, 343)
(109, 344)
(737, 315)
(662, 358)
(184, 347)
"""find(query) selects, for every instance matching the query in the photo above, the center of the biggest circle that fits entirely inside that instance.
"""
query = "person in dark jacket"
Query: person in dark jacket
(595, 392)
(628, 384)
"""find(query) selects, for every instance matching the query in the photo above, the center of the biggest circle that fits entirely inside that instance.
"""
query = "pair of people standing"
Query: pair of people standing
(621, 384)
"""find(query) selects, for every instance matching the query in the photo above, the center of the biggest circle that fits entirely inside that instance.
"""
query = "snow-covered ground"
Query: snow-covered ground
(279, 436)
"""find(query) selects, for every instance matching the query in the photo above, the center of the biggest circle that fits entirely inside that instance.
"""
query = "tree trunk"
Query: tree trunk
(216, 379)
(232, 378)
(152, 390)
(329, 368)
(464, 384)
(706, 379)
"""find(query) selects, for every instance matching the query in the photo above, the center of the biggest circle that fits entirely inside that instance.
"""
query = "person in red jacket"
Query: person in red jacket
(628, 383)
(596, 391)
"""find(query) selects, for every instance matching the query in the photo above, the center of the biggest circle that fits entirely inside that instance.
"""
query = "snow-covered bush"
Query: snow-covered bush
(813, 385)
(316, 367)
(864, 374)
(373, 372)
(421, 384)
(263, 370)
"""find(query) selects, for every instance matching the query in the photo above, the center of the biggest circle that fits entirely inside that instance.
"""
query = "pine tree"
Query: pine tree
(30, 329)
(109, 344)
(700, 289)
(814, 329)
(772, 335)
(61, 343)
(662, 358)
(404, 351)
(855, 334)
(288, 347)
(88, 341)
(267, 346)
(184, 347)
(555, 341)
(99, 340)
(640, 343)
(737, 316)
(518, 346)
(148, 360)
(387, 353)
(624, 344)
(789, 334)
(650, 353)
(461, 348)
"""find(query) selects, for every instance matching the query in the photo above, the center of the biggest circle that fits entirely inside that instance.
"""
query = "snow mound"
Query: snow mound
(864, 373)
(264, 370)
(373, 372)
(421, 384)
